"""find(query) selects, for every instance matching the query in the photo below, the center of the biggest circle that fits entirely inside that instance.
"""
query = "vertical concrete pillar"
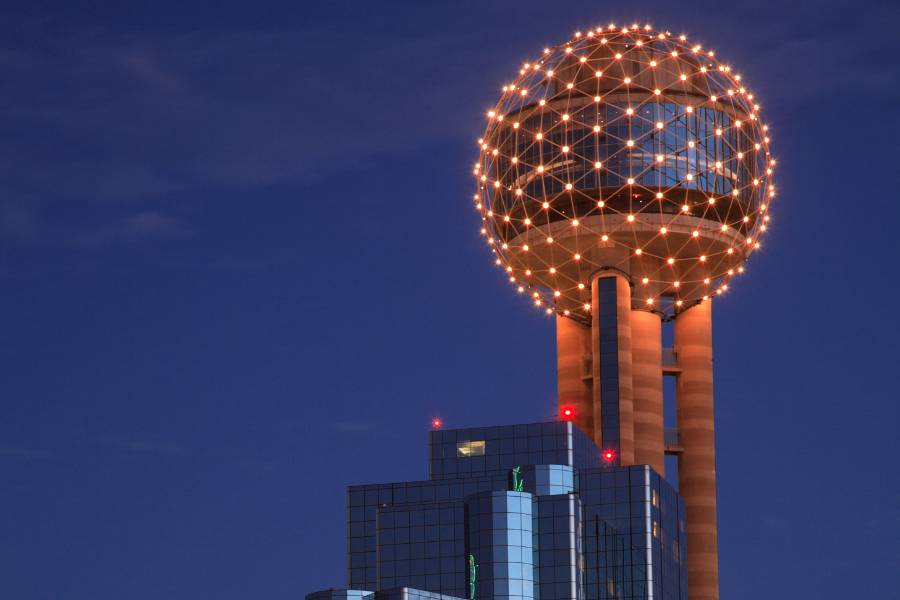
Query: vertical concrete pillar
(611, 345)
(647, 379)
(697, 464)
(573, 378)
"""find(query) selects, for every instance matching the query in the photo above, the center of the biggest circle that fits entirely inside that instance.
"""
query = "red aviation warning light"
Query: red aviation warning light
(436, 423)
(608, 456)
(567, 413)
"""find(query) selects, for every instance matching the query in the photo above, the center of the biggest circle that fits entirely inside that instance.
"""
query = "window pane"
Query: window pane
(474, 448)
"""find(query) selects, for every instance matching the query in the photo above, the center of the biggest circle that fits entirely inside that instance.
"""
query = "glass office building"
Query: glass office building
(519, 512)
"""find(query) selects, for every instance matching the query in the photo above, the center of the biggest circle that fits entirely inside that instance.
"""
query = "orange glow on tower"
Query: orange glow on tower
(624, 179)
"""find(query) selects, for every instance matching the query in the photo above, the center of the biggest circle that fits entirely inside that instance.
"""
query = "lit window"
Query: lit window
(470, 448)
(654, 498)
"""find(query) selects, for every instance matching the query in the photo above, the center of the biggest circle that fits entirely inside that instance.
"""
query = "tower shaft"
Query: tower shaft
(697, 463)
(647, 378)
(574, 365)
(610, 374)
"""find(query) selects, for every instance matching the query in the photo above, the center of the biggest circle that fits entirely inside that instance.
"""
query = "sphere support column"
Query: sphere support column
(647, 378)
(697, 463)
(611, 346)
(573, 369)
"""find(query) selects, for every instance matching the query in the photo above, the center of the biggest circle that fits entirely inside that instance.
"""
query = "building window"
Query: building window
(474, 448)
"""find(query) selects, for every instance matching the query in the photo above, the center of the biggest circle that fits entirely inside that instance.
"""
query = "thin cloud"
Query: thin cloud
(147, 70)
(150, 117)
(222, 108)
(22, 452)
(807, 63)
(258, 265)
(164, 448)
(18, 218)
(135, 227)
(356, 426)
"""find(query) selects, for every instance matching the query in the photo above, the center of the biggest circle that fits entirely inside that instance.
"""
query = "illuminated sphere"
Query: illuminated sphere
(624, 149)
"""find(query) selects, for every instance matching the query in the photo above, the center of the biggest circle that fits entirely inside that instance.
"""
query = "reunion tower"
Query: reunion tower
(624, 179)
(623, 182)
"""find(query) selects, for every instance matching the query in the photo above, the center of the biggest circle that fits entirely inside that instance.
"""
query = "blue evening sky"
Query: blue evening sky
(240, 270)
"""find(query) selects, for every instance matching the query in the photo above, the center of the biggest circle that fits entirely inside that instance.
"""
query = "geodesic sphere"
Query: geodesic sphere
(624, 149)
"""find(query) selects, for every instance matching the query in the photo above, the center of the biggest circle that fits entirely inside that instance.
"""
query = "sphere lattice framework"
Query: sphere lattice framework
(626, 149)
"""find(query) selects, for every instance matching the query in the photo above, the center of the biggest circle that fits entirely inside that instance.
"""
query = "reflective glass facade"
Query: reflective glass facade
(401, 593)
(635, 541)
(507, 446)
(550, 480)
(559, 547)
(501, 544)
(639, 161)
(525, 512)
(421, 546)
(341, 595)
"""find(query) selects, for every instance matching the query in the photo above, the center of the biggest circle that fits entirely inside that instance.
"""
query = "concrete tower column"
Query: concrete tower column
(611, 345)
(573, 345)
(697, 464)
(647, 379)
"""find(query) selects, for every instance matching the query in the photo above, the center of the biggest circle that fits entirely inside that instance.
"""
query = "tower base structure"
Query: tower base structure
(610, 375)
